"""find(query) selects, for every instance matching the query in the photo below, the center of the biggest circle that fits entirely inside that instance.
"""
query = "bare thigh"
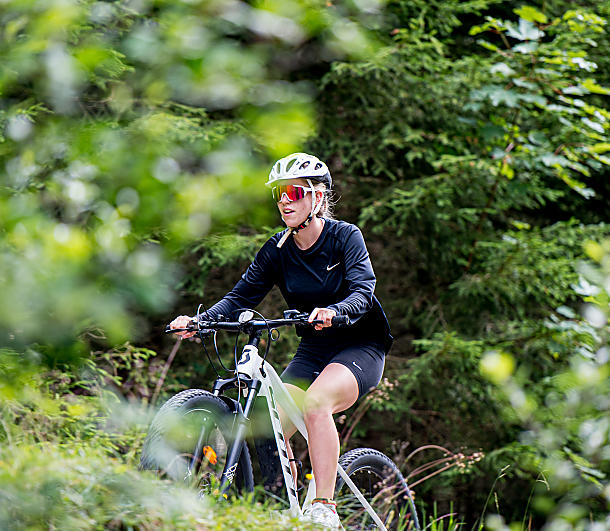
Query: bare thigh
(335, 390)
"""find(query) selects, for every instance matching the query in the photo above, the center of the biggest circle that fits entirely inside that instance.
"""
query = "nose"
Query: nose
(284, 199)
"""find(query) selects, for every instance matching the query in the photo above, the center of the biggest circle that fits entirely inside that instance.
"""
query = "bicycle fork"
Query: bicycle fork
(251, 364)
(238, 436)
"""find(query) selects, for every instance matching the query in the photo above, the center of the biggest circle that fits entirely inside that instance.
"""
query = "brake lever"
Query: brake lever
(169, 330)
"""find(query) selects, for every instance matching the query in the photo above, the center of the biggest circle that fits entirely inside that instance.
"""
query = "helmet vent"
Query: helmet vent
(300, 165)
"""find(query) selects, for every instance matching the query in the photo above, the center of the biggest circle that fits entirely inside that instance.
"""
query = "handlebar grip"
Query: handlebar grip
(340, 320)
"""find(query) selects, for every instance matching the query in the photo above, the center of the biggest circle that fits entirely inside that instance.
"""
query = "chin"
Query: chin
(292, 223)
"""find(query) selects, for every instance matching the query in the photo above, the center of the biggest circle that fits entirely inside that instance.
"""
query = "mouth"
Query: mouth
(287, 211)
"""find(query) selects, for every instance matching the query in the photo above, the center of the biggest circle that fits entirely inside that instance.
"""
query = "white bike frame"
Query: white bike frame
(273, 389)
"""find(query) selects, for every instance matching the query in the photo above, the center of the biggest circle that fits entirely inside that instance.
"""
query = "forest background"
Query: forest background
(468, 140)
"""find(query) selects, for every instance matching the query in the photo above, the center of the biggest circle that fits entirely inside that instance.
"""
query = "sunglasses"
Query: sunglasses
(293, 192)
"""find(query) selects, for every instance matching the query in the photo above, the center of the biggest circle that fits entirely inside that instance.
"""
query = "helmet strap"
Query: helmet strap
(294, 230)
(314, 210)
(313, 196)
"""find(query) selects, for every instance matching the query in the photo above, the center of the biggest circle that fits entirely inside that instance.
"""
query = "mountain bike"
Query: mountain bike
(201, 438)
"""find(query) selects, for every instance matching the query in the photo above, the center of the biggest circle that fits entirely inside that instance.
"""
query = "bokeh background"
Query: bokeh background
(468, 140)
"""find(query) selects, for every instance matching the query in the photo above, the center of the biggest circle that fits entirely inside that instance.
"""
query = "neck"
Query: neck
(306, 237)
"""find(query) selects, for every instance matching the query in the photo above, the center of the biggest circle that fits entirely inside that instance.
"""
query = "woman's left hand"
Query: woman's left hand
(323, 314)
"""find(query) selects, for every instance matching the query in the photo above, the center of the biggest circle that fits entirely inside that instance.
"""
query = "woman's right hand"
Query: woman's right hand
(182, 321)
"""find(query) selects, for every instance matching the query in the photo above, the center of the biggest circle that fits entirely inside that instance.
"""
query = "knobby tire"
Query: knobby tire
(173, 435)
(384, 487)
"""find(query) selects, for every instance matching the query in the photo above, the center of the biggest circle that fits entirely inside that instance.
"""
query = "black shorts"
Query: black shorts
(365, 361)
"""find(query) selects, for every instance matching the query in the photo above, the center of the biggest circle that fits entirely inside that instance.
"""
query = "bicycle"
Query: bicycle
(199, 437)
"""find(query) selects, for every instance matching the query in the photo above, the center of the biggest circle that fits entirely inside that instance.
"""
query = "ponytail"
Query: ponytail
(328, 202)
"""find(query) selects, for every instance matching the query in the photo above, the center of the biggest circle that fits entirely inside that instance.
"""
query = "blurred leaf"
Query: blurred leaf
(502, 68)
(526, 31)
(531, 14)
(550, 159)
(591, 86)
(526, 47)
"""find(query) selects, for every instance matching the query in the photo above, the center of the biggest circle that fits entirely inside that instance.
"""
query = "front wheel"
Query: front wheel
(189, 439)
(383, 486)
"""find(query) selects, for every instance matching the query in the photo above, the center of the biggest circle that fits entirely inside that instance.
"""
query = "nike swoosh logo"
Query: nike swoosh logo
(357, 365)
(328, 268)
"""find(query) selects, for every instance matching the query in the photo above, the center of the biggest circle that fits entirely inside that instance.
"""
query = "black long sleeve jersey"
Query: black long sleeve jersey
(335, 272)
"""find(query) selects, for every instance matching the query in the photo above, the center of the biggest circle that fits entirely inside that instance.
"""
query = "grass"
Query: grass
(69, 452)
(75, 486)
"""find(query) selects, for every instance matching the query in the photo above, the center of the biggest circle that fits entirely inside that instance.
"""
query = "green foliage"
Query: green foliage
(440, 522)
(80, 488)
(83, 404)
(419, 20)
(477, 173)
(471, 144)
(444, 377)
(528, 273)
(565, 421)
(476, 155)
(221, 251)
(70, 450)
(130, 131)
(71, 489)
(497, 161)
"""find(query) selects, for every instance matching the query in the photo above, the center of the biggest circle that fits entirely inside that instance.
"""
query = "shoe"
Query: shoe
(322, 513)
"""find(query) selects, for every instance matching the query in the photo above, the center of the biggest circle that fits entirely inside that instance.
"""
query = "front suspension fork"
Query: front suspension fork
(239, 436)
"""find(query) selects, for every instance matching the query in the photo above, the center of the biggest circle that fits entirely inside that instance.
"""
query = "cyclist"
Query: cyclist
(321, 267)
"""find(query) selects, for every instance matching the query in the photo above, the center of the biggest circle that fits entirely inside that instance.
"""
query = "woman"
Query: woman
(321, 267)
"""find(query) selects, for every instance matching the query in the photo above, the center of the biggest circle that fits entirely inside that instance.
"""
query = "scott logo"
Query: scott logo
(230, 473)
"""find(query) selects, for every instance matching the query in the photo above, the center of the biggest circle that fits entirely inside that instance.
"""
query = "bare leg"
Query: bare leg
(335, 390)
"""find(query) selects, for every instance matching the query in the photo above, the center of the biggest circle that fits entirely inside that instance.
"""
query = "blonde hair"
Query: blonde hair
(328, 202)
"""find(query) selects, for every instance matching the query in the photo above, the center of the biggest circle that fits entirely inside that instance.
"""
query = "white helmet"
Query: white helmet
(300, 165)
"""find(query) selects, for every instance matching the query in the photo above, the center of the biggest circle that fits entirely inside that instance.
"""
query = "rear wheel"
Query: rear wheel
(188, 441)
(383, 486)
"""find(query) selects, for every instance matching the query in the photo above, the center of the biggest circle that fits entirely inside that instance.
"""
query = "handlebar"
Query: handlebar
(248, 325)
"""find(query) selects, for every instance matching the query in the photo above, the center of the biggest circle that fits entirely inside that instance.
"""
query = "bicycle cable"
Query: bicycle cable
(226, 369)
(207, 315)
(200, 333)
(207, 354)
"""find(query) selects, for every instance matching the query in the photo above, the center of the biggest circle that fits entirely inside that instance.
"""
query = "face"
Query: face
(295, 212)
